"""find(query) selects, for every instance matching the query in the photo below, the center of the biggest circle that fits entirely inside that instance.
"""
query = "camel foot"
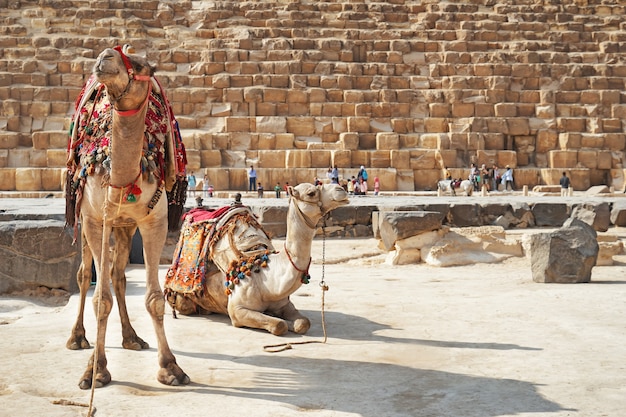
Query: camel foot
(172, 375)
(103, 377)
(279, 329)
(134, 343)
(301, 326)
(77, 342)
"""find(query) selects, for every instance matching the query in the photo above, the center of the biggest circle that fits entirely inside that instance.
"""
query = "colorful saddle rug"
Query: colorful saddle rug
(216, 240)
(164, 158)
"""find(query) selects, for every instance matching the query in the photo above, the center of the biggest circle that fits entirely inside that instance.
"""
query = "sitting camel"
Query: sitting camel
(254, 290)
(120, 182)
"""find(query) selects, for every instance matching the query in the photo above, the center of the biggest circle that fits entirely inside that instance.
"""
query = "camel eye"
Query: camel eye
(311, 193)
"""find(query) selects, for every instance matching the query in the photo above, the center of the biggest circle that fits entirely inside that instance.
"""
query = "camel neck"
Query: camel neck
(299, 237)
(127, 144)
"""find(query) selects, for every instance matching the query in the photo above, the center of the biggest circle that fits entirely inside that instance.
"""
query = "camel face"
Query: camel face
(117, 74)
(320, 199)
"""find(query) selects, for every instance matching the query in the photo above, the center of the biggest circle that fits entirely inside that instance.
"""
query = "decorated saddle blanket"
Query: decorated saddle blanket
(211, 239)
(164, 157)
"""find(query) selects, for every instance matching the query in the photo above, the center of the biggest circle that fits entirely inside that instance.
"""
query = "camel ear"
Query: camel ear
(292, 191)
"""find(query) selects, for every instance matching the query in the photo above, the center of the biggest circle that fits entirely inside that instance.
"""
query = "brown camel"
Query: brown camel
(131, 194)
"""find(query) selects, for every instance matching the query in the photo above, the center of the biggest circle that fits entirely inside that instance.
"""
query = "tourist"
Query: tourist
(474, 175)
(363, 187)
(210, 190)
(277, 189)
(334, 175)
(376, 186)
(205, 185)
(484, 176)
(260, 190)
(251, 179)
(191, 184)
(495, 177)
(507, 179)
(565, 184)
(351, 186)
(362, 175)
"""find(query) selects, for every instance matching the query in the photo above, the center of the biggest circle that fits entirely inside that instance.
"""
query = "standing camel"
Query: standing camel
(124, 187)
(258, 288)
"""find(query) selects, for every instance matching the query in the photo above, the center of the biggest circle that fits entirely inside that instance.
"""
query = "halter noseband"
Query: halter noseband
(301, 214)
(130, 71)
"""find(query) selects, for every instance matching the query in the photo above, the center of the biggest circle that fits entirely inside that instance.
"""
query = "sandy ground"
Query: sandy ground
(480, 340)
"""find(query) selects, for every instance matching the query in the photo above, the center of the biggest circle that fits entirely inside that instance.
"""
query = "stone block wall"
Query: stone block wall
(401, 87)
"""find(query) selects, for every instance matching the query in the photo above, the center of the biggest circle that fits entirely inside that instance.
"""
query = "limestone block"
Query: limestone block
(615, 141)
(233, 159)
(272, 159)
(518, 126)
(341, 158)
(7, 179)
(546, 140)
(268, 124)
(423, 239)
(426, 179)
(349, 140)
(593, 141)
(297, 159)
(588, 158)
(320, 159)
(436, 124)
(563, 159)
(4, 158)
(360, 157)
(37, 253)
(609, 246)
(284, 140)
(433, 140)
(422, 159)
(446, 158)
(604, 159)
(210, 158)
(618, 213)
(387, 177)
(400, 159)
(567, 140)
(396, 225)
(403, 257)
(507, 158)
(193, 160)
(405, 180)
(380, 159)
(387, 141)
(27, 179)
(566, 255)
(52, 179)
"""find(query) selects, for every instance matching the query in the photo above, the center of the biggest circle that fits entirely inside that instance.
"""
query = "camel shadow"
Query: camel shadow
(371, 389)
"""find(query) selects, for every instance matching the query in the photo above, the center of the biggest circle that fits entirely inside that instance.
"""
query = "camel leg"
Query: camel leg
(296, 322)
(244, 317)
(123, 242)
(154, 233)
(96, 234)
(77, 339)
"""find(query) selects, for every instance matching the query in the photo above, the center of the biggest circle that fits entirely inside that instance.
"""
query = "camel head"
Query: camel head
(315, 201)
(125, 75)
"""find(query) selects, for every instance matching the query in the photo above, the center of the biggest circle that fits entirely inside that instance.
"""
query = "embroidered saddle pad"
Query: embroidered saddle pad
(219, 238)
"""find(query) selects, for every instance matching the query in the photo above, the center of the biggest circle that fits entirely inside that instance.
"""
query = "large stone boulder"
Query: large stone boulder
(566, 255)
(597, 215)
(396, 225)
(37, 253)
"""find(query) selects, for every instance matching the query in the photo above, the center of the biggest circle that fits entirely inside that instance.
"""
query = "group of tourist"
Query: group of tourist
(490, 178)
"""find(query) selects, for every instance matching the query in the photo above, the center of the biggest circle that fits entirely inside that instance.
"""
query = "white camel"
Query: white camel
(129, 195)
(256, 294)
(449, 185)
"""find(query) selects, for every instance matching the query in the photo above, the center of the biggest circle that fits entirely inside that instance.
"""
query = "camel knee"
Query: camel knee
(155, 304)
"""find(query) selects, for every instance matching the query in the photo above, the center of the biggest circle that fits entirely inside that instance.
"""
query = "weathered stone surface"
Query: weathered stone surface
(566, 255)
(395, 225)
(609, 246)
(463, 215)
(618, 213)
(597, 216)
(550, 214)
(37, 253)
(469, 245)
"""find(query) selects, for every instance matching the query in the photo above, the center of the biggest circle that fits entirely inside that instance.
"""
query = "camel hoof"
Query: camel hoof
(77, 343)
(135, 343)
(280, 329)
(301, 326)
(173, 375)
(102, 379)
